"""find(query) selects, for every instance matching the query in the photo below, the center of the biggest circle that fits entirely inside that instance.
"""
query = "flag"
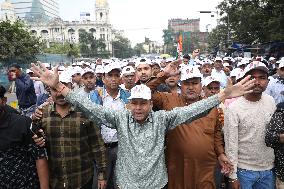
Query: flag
(179, 47)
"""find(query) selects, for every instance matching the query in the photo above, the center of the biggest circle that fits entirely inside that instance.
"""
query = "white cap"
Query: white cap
(140, 91)
(86, 63)
(93, 66)
(235, 72)
(189, 72)
(218, 59)
(76, 70)
(142, 61)
(281, 65)
(226, 58)
(240, 74)
(74, 64)
(209, 80)
(226, 64)
(244, 61)
(256, 65)
(79, 63)
(108, 68)
(61, 68)
(99, 69)
(206, 61)
(47, 65)
(29, 71)
(64, 77)
(88, 70)
(271, 58)
(127, 70)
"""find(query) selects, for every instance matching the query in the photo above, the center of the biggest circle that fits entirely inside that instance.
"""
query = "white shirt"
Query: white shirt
(245, 124)
(275, 89)
(110, 135)
(39, 88)
(221, 76)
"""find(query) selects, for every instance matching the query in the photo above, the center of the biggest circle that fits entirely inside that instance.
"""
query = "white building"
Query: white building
(57, 30)
(7, 11)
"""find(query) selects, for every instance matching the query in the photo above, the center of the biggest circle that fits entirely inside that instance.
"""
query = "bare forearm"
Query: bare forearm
(43, 174)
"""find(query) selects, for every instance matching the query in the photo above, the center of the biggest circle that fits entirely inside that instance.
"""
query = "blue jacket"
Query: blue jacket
(96, 96)
(25, 91)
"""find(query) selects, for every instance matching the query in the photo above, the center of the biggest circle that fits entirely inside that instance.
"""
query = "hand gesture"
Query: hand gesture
(102, 184)
(171, 69)
(195, 53)
(239, 89)
(44, 75)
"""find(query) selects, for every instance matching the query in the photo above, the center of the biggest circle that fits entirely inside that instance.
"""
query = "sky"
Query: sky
(143, 18)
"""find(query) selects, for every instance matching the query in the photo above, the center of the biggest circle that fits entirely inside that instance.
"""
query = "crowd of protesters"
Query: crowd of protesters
(190, 123)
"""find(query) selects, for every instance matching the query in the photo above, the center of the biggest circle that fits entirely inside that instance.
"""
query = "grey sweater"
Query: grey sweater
(244, 133)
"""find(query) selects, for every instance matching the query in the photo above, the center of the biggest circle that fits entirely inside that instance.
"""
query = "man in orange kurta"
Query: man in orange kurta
(192, 149)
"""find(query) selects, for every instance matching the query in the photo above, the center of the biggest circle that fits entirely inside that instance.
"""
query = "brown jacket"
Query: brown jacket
(192, 148)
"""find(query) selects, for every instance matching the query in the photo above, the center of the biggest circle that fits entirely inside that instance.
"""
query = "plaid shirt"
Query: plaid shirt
(73, 143)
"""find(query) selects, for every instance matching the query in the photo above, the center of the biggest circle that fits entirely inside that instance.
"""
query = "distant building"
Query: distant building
(189, 28)
(57, 30)
(185, 25)
(85, 16)
(36, 10)
(7, 11)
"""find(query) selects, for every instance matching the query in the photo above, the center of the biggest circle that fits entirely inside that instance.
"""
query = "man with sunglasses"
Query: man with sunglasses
(275, 87)
(25, 90)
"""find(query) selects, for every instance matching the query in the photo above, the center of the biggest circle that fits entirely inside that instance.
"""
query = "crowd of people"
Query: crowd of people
(190, 123)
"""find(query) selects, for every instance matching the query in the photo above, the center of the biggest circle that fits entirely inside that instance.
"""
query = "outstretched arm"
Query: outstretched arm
(94, 111)
(190, 113)
(197, 110)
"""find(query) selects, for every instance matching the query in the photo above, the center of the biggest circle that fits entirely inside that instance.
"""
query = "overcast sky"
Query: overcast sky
(143, 18)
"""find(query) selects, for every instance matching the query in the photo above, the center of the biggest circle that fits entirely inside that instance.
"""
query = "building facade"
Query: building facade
(7, 11)
(36, 10)
(185, 25)
(57, 30)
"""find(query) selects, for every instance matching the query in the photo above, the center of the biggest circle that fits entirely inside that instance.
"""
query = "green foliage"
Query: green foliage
(91, 47)
(249, 22)
(170, 42)
(17, 44)
(66, 48)
(139, 49)
(122, 47)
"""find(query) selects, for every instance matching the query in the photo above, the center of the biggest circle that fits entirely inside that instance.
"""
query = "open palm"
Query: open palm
(46, 76)
(241, 88)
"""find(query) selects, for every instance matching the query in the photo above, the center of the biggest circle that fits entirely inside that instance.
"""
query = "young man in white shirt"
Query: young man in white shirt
(246, 120)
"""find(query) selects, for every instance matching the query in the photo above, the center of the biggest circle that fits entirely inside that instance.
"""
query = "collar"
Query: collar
(105, 93)
(54, 112)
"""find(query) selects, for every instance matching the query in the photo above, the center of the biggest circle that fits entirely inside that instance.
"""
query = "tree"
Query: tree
(170, 42)
(17, 44)
(66, 48)
(139, 49)
(91, 47)
(121, 46)
(249, 22)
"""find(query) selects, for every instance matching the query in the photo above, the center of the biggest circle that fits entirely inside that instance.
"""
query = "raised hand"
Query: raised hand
(49, 78)
(239, 89)
(171, 69)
